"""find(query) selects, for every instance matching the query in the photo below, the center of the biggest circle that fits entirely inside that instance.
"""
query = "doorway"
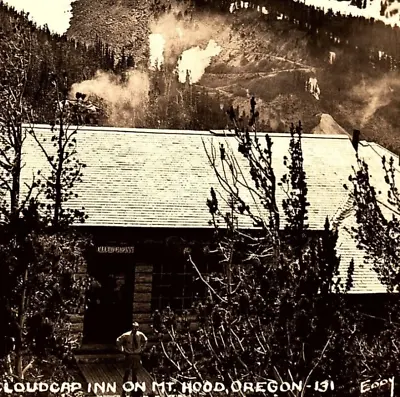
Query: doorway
(110, 299)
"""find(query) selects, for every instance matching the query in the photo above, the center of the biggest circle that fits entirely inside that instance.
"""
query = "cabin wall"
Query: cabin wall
(150, 271)
(76, 320)
(142, 295)
(373, 310)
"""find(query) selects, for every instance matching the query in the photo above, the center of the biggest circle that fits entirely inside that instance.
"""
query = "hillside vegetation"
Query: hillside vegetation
(46, 57)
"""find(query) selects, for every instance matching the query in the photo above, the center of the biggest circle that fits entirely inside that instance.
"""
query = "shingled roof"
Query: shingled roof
(365, 277)
(158, 178)
(162, 178)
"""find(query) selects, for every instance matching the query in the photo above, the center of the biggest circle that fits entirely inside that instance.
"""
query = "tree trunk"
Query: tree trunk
(16, 134)
(16, 170)
(58, 195)
(21, 325)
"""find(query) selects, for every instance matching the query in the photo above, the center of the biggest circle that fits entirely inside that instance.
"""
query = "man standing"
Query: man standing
(132, 343)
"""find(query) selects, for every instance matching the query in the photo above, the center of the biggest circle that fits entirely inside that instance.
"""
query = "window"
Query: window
(175, 282)
(173, 285)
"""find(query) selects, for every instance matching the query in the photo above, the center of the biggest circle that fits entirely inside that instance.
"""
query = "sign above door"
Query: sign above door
(105, 249)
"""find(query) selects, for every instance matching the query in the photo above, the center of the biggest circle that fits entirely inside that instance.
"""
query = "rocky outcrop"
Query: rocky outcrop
(328, 126)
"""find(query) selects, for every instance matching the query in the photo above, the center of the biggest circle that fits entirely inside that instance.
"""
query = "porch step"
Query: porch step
(99, 358)
(104, 374)
(96, 350)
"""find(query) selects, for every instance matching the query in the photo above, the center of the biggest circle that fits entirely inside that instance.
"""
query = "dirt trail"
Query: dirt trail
(302, 65)
(275, 57)
(259, 74)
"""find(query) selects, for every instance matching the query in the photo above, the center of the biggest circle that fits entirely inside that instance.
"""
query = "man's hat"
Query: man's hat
(135, 324)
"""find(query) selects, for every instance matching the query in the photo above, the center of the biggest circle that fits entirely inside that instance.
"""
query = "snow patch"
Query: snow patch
(157, 43)
(328, 126)
(373, 9)
(313, 88)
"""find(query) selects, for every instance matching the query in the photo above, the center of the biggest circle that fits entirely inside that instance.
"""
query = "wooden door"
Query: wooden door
(110, 300)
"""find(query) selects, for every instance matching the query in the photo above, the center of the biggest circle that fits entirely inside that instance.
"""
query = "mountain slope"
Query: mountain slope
(294, 71)
(122, 24)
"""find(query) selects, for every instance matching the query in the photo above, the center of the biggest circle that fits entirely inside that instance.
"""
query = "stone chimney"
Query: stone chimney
(356, 139)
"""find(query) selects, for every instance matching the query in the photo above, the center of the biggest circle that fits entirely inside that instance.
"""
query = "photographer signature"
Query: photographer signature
(368, 385)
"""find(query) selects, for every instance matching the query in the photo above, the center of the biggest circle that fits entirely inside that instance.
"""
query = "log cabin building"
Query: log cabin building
(145, 194)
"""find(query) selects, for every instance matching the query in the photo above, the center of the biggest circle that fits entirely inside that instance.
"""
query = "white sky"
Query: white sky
(56, 13)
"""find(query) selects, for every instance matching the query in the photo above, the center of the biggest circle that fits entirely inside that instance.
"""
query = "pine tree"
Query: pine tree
(38, 263)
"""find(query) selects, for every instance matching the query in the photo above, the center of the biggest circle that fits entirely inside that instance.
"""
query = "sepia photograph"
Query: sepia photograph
(199, 198)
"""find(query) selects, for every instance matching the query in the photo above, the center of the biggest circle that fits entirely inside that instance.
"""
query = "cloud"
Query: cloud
(181, 34)
(125, 98)
(195, 61)
(376, 94)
